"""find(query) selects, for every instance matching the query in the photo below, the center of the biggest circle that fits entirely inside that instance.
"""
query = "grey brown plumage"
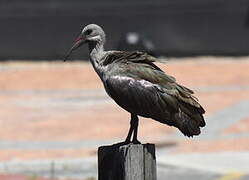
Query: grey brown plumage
(136, 84)
(140, 87)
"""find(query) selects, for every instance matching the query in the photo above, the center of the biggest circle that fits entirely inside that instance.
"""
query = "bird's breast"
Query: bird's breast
(135, 96)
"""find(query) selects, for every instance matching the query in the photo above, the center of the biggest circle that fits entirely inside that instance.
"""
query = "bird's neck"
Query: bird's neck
(96, 55)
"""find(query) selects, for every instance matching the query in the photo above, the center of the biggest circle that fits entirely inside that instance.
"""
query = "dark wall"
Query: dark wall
(45, 29)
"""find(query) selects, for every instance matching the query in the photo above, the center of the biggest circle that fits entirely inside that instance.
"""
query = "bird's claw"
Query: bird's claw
(135, 141)
(127, 141)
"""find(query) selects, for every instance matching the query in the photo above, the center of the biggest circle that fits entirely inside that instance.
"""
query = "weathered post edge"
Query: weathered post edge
(127, 162)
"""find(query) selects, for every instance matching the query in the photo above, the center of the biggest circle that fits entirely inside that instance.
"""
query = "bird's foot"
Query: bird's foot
(135, 141)
(127, 141)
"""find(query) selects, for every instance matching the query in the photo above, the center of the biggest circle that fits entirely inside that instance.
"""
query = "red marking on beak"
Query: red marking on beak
(80, 38)
(78, 42)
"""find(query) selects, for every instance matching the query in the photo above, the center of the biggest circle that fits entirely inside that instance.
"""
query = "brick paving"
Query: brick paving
(20, 121)
(19, 177)
(44, 102)
(240, 127)
(233, 144)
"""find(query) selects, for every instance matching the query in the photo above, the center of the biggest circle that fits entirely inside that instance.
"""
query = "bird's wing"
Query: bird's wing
(134, 56)
(136, 80)
(164, 83)
(165, 101)
(141, 65)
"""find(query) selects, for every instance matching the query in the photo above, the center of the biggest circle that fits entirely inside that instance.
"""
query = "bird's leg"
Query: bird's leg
(128, 138)
(133, 129)
(135, 120)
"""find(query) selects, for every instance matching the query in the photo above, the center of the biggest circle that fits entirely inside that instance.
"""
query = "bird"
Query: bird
(137, 85)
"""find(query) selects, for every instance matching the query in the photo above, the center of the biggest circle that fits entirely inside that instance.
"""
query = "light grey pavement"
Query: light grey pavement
(87, 167)
(220, 163)
(62, 168)
(210, 166)
(168, 172)
(224, 119)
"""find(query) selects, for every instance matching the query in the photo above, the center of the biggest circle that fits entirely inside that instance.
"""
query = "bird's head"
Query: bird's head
(92, 33)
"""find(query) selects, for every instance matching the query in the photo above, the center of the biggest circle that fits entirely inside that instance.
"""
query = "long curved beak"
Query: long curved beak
(78, 42)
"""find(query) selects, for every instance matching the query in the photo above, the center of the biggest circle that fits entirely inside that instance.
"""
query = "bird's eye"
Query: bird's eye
(88, 32)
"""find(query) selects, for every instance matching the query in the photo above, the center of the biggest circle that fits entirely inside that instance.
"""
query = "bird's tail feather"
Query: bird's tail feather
(187, 126)
(194, 113)
(189, 119)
